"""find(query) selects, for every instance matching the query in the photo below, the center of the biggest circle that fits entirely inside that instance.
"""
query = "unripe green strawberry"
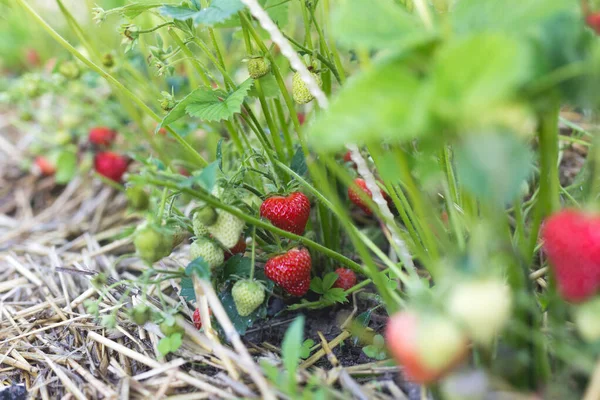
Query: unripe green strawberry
(152, 243)
(210, 252)
(300, 91)
(247, 295)
(108, 60)
(199, 228)
(140, 314)
(207, 216)
(227, 229)
(69, 69)
(137, 197)
(258, 67)
(586, 317)
(170, 327)
(482, 307)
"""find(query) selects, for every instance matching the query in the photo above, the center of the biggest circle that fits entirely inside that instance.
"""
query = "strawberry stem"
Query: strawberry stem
(252, 262)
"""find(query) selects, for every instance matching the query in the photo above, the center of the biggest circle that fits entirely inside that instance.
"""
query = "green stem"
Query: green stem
(252, 262)
(260, 223)
(118, 85)
(549, 185)
(189, 53)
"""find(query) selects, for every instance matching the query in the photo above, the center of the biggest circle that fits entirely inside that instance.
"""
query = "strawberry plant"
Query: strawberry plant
(404, 164)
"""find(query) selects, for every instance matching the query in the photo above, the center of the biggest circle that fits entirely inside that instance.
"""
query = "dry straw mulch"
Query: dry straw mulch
(52, 241)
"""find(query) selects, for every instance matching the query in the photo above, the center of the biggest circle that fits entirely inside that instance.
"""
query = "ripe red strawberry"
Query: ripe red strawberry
(288, 213)
(348, 159)
(593, 21)
(427, 347)
(346, 278)
(110, 165)
(102, 136)
(291, 271)
(572, 244)
(355, 198)
(32, 57)
(46, 167)
(239, 248)
(197, 319)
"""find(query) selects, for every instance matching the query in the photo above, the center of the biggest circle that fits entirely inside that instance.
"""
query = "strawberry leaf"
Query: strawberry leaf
(211, 105)
(133, 10)
(170, 344)
(198, 267)
(316, 285)
(395, 28)
(493, 166)
(218, 11)
(335, 295)
(206, 179)
(291, 347)
(299, 162)
(66, 166)
(187, 289)
(395, 109)
(329, 280)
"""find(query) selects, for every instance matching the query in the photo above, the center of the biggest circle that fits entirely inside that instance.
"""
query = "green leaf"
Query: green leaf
(305, 350)
(493, 166)
(381, 103)
(210, 105)
(291, 348)
(269, 86)
(66, 166)
(514, 16)
(329, 279)
(170, 344)
(277, 10)
(206, 178)
(236, 266)
(335, 295)
(218, 11)
(316, 285)
(354, 25)
(377, 349)
(180, 13)
(474, 73)
(299, 162)
(131, 11)
(198, 267)
(187, 289)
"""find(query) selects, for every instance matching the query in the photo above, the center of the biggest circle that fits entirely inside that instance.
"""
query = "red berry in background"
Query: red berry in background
(32, 57)
(184, 172)
(355, 198)
(593, 21)
(427, 347)
(162, 131)
(301, 118)
(239, 248)
(288, 213)
(197, 319)
(291, 271)
(572, 244)
(346, 278)
(348, 159)
(110, 165)
(102, 136)
(46, 167)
